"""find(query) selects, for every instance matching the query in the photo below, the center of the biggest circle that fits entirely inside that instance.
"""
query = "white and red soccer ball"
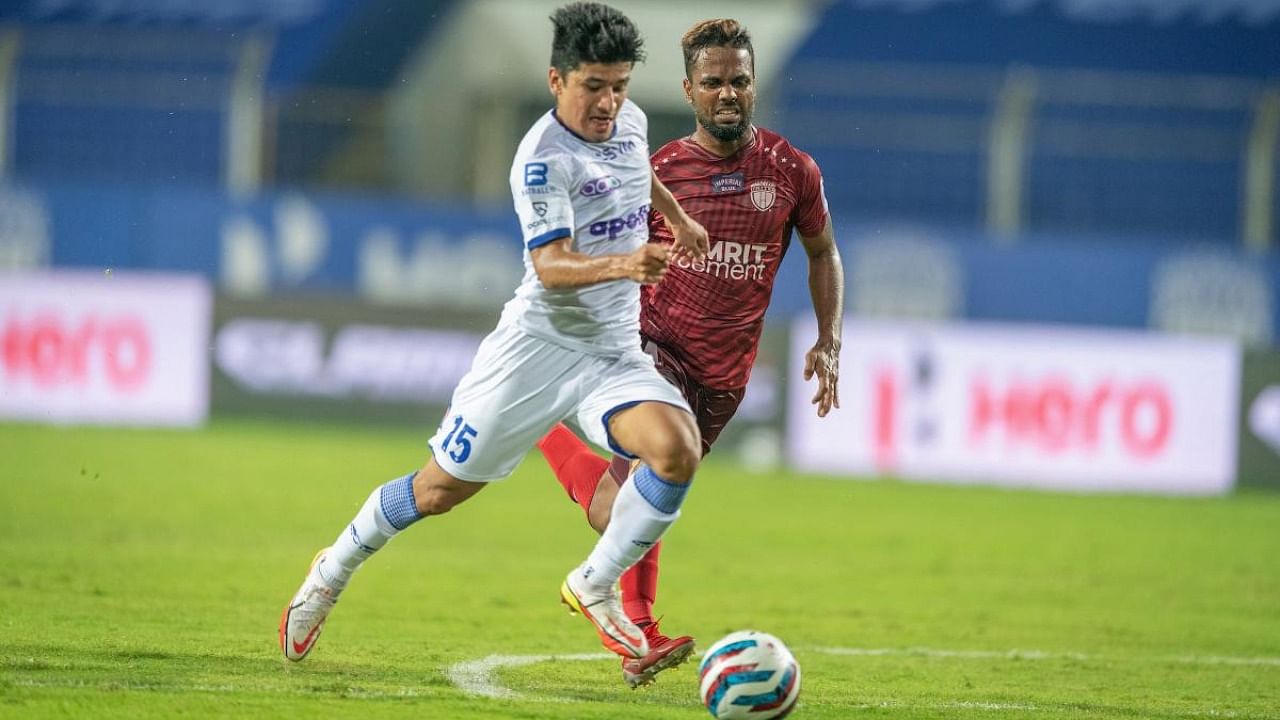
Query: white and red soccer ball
(749, 674)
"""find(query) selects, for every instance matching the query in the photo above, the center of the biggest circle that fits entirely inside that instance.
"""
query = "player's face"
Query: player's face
(589, 97)
(722, 91)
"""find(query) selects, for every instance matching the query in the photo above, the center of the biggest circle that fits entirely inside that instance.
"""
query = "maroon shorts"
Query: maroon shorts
(711, 408)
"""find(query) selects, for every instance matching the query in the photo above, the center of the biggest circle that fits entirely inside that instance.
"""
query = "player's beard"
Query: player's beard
(727, 133)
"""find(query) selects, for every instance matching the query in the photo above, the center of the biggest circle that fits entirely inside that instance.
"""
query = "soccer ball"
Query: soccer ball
(749, 674)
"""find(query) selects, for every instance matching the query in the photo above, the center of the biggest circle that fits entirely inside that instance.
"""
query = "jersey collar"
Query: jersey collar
(737, 154)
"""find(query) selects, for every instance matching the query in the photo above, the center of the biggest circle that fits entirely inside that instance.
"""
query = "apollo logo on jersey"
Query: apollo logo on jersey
(613, 227)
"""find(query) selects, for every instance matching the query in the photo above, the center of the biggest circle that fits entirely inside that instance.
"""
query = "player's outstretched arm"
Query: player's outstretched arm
(558, 266)
(826, 287)
(689, 234)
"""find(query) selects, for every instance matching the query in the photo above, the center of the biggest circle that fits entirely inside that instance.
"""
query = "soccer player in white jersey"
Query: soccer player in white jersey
(567, 345)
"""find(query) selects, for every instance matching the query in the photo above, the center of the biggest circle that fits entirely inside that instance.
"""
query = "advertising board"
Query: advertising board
(91, 347)
(1072, 409)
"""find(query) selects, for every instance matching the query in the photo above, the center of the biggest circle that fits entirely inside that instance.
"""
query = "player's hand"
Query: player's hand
(691, 238)
(648, 265)
(823, 360)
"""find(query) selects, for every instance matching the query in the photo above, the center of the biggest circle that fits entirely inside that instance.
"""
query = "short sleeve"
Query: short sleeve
(540, 191)
(811, 206)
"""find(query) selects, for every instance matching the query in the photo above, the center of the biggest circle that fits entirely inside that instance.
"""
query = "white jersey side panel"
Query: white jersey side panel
(597, 194)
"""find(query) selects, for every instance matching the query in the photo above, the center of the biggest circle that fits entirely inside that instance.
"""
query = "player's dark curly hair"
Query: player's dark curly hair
(588, 32)
(723, 32)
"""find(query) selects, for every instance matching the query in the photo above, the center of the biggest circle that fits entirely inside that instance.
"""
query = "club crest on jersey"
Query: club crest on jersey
(729, 183)
(763, 193)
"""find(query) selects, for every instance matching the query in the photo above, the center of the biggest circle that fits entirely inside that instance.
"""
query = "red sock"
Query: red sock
(640, 587)
(575, 465)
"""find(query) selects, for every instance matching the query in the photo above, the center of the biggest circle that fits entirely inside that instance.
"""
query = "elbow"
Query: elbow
(827, 254)
(550, 280)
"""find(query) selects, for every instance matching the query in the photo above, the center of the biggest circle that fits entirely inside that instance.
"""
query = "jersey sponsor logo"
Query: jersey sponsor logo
(540, 207)
(613, 151)
(535, 174)
(600, 186)
(763, 193)
(728, 183)
(729, 260)
(613, 227)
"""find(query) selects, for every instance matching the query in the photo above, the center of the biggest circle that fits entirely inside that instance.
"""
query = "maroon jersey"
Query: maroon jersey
(710, 312)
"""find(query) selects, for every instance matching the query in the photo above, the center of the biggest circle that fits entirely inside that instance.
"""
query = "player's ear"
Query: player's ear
(554, 82)
(688, 90)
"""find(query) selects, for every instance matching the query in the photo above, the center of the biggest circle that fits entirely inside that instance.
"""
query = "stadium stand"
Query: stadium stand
(1013, 117)
(93, 103)
(1133, 125)
(144, 95)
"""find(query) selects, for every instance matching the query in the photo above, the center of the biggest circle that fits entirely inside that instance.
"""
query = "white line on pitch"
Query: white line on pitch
(475, 677)
(1041, 655)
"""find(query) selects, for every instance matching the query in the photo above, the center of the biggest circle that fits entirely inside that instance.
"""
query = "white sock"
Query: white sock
(368, 531)
(633, 528)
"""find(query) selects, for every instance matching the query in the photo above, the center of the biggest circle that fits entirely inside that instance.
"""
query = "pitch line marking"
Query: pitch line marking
(476, 677)
(1042, 655)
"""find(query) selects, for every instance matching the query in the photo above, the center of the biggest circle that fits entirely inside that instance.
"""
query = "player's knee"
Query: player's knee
(433, 502)
(436, 500)
(677, 459)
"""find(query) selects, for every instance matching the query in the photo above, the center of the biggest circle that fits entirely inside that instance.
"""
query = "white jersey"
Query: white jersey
(598, 195)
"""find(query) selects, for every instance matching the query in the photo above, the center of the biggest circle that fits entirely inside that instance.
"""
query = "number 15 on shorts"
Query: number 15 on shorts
(458, 442)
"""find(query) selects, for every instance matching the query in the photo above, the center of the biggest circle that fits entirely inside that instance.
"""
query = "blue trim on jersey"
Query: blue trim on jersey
(569, 130)
(615, 447)
(613, 411)
(547, 237)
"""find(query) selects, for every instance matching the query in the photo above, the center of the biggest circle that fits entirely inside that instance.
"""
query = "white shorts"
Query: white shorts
(520, 386)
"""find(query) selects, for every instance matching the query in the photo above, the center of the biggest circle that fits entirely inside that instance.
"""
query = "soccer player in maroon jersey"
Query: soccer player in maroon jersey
(750, 188)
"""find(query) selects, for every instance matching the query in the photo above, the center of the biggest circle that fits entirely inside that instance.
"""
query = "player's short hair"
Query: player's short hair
(588, 32)
(722, 32)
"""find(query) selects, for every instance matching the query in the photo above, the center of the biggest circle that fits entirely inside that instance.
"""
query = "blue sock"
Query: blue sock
(397, 503)
(662, 494)
(645, 507)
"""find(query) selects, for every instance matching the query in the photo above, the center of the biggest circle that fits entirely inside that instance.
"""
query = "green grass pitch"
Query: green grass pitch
(142, 574)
